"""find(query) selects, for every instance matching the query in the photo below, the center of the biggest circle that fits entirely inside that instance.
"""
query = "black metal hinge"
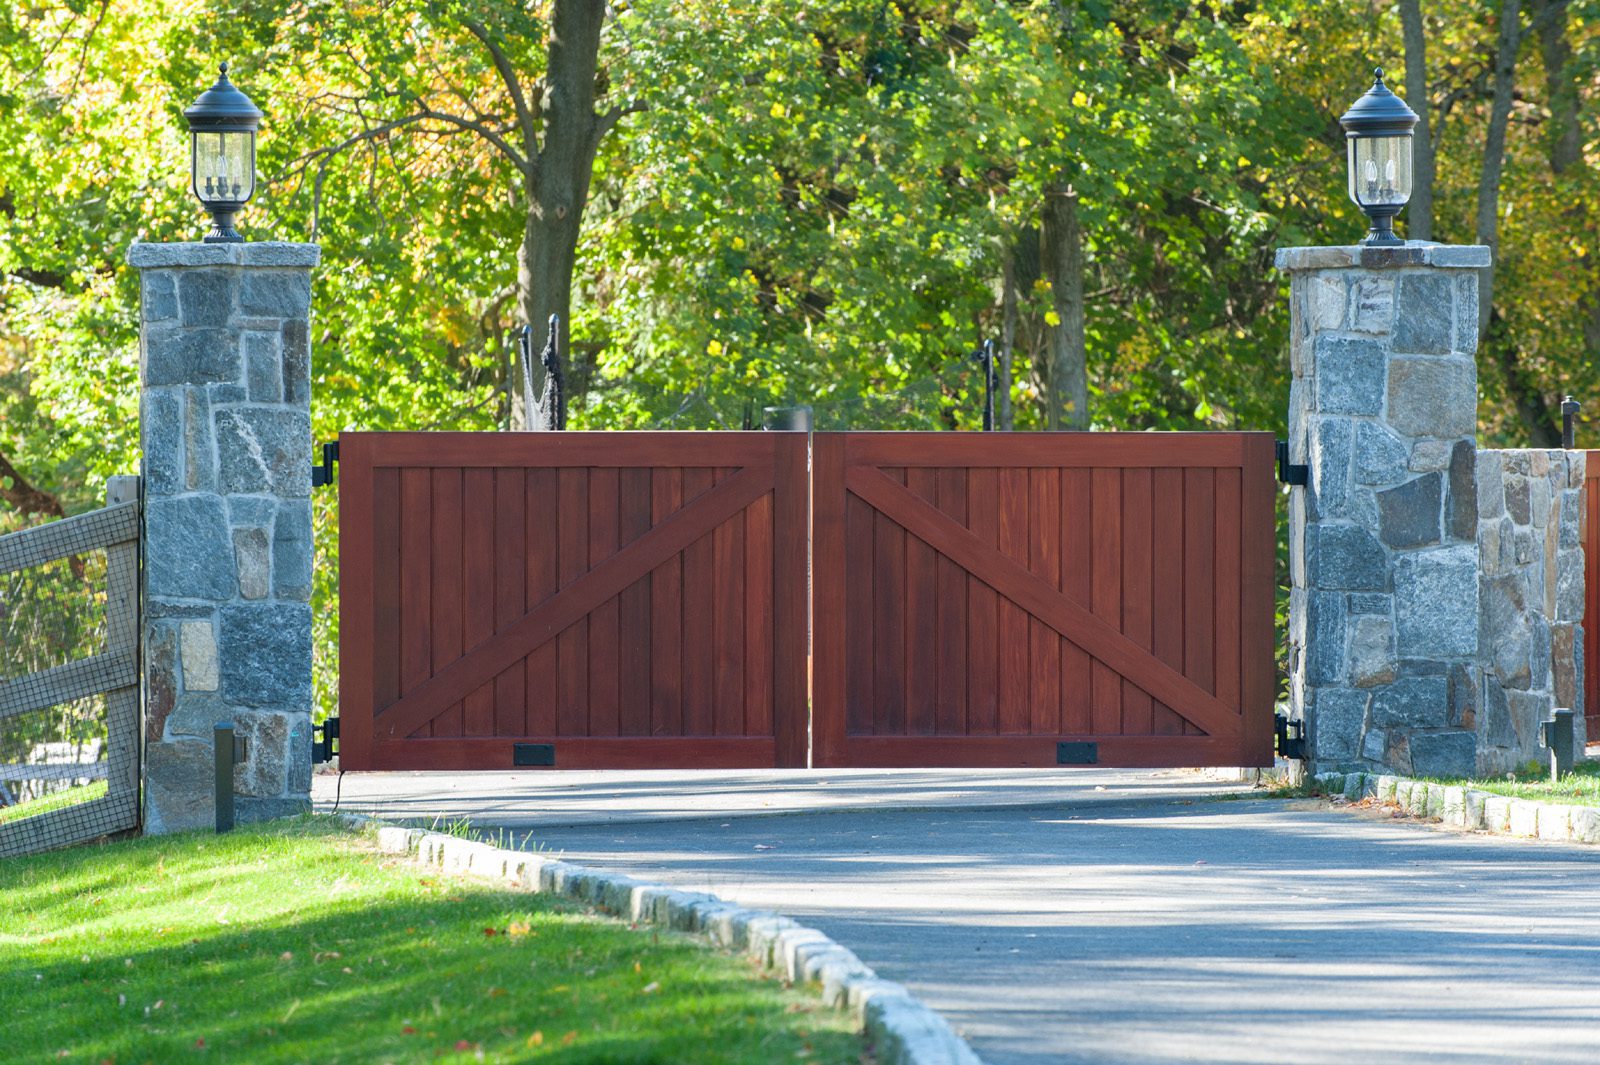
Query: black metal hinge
(323, 750)
(323, 474)
(1289, 474)
(1290, 737)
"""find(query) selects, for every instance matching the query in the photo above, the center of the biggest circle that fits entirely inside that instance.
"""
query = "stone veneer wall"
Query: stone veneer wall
(1531, 596)
(225, 424)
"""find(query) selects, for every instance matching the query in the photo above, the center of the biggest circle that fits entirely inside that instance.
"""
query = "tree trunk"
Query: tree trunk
(1494, 155)
(1067, 380)
(557, 186)
(1419, 214)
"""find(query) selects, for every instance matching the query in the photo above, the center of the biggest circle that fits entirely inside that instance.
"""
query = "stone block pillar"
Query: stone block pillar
(225, 422)
(1383, 619)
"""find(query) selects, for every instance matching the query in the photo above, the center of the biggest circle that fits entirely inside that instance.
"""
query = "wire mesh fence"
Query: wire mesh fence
(68, 678)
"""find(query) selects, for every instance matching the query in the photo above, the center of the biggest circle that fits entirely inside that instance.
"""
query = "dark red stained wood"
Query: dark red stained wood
(1227, 586)
(888, 628)
(572, 449)
(1105, 567)
(359, 607)
(1050, 450)
(1039, 751)
(1077, 566)
(384, 536)
(572, 646)
(580, 752)
(699, 633)
(758, 647)
(1138, 593)
(728, 626)
(1044, 560)
(983, 604)
(922, 586)
(416, 581)
(1016, 690)
(445, 592)
(950, 689)
(1167, 573)
(604, 652)
(1258, 576)
(857, 551)
(1199, 600)
(666, 615)
(633, 608)
(477, 587)
(542, 548)
(791, 512)
(834, 608)
(510, 595)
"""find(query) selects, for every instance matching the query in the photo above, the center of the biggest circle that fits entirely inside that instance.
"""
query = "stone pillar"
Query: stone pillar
(1383, 619)
(225, 420)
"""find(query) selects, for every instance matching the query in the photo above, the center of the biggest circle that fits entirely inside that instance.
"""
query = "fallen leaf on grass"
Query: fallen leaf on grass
(536, 1039)
(408, 1030)
(569, 1038)
(651, 988)
(491, 931)
(519, 928)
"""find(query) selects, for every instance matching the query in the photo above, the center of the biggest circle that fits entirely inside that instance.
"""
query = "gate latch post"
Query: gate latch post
(323, 474)
(1290, 737)
(1291, 474)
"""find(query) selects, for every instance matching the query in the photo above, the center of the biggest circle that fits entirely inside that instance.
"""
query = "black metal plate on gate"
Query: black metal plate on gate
(533, 754)
(1077, 753)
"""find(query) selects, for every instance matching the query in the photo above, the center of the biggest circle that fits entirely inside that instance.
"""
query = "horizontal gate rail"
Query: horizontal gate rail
(70, 536)
(65, 683)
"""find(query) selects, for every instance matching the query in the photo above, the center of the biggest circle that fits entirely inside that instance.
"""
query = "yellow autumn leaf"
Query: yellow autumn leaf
(1079, 99)
(1051, 318)
(778, 110)
(714, 348)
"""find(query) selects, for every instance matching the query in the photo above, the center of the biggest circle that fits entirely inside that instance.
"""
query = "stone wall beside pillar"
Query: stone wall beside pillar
(1383, 641)
(226, 433)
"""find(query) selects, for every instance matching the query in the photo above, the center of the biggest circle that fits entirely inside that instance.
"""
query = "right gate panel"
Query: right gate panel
(1043, 599)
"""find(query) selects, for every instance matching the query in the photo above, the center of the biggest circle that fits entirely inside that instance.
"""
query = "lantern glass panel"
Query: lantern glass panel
(1380, 170)
(224, 165)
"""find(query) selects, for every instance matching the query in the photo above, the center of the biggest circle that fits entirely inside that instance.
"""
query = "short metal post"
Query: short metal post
(1558, 737)
(985, 358)
(1569, 417)
(222, 753)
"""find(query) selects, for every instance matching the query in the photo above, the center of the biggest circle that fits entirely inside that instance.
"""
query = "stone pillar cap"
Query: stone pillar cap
(1381, 257)
(250, 253)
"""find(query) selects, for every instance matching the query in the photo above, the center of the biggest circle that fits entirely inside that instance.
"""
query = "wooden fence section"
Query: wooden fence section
(1591, 594)
(1043, 599)
(572, 599)
(114, 671)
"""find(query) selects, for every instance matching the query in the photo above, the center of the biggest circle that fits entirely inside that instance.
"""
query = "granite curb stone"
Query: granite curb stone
(1470, 808)
(903, 1031)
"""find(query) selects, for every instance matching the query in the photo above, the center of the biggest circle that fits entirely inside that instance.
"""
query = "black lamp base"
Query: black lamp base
(222, 231)
(1382, 232)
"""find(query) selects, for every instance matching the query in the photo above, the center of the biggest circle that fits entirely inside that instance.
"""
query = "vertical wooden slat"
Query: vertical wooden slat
(1167, 574)
(1228, 591)
(951, 603)
(1199, 556)
(1258, 577)
(368, 671)
(859, 558)
(758, 637)
(1591, 594)
(791, 515)
(833, 606)
(572, 646)
(633, 608)
(1016, 688)
(727, 545)
(1138, 710)
(921, 652)
(604, 657)
(478, 517)
(388, 584)
(666, 615)
(416, 581)
(888, 627)
(1106, 581)
(445, 591)
(1044, 560)
(510, 592)
(542, 552)
(699, 648)
(983, 620)
(1077, 569)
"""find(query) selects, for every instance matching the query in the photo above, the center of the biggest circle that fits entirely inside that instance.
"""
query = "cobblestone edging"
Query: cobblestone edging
(1462, 807)
(903, 1031)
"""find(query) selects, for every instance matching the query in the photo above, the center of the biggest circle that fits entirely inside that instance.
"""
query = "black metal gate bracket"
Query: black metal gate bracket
(323, 749)
(1290, 737)
(1288, 474)
(323, 474)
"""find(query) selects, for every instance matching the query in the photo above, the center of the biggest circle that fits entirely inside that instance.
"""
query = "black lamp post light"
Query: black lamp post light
(222, 154)
(1377, 131)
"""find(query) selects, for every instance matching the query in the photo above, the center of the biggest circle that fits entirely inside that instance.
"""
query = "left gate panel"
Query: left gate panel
(582, 600)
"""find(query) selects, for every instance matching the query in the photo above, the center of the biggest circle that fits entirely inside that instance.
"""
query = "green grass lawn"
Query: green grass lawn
(1581, 786)
(56, 800)
(297, 942)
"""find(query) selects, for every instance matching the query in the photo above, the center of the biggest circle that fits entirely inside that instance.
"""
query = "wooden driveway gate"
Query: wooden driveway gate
(572, 599)
(636, 600)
